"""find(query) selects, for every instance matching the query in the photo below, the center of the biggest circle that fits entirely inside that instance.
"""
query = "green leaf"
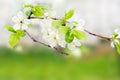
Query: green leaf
(13, 40)
(45, 7)
(69, 37)
(57, 23)
(68, 14)
(10, 28)
(28, 12)
(64, 29)
(117, 44)
(79, 34)
(28, 5)
(115, 35)
(20, 33)
(37, 11)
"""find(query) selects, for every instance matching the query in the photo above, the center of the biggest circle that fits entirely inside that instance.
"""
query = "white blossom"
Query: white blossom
(21, 21)
(51, 13)
(74, 44)
(61, 41)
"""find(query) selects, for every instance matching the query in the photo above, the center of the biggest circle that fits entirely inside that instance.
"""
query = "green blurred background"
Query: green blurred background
(41, 63)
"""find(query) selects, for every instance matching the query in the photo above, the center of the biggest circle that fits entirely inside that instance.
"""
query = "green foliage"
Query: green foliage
(57, 23)
(28, 5)
(45, 7)
(79, 34)
(70, 34)
(20, 33)
(15, 38)
(117, 44)
(115, 35)
(68, 14)
(28, 12)
(10, 28)
(37, 11)
(69, 37)
(64, 29)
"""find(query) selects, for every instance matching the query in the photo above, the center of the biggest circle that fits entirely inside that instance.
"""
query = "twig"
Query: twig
(34, 40)
(98, 35)
(91, 33)
(53, 18)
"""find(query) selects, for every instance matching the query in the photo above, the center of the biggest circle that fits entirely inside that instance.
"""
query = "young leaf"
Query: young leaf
(68, 14)
(10, 28)
(37, 11)
(115, 35)
(117, 44)
(64, 29)
(69, 37)
(45, 7)
(28, 5)
(20, 33)
(79, 34)
(13, 39)
(57, 23)
(28, 11)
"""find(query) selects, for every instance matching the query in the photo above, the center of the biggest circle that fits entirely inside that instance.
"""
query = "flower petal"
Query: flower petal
(16, 26)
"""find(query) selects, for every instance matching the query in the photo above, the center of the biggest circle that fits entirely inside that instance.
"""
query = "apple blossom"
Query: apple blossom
(21, 21)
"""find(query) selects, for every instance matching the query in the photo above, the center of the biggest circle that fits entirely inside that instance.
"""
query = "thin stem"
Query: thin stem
(91, 33)
(55, 48)
(58, 50)
(98, 35)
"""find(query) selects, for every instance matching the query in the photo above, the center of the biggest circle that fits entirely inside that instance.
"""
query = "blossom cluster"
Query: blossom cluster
(63, 32)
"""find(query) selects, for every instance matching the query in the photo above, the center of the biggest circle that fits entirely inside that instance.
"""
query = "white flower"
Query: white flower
(21, 21)
(61, 41)
(74, 44)
(51, 13)
(112, 44)
(80, 25)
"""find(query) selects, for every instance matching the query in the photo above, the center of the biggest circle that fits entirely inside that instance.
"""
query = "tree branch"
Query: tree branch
(98, 35)
(34, 40)
(58, 50)
(91, 33)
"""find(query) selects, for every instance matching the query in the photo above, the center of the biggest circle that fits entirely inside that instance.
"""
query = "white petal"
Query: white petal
(52, 45)
(27, 9)
(116, 30)
(24, 26)
(46, 14)
(21, 15)
(15, 19)
(112, 45)
(26, 21)
(17, 26)
(71, 46)
(77, 42)
(62, 44)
